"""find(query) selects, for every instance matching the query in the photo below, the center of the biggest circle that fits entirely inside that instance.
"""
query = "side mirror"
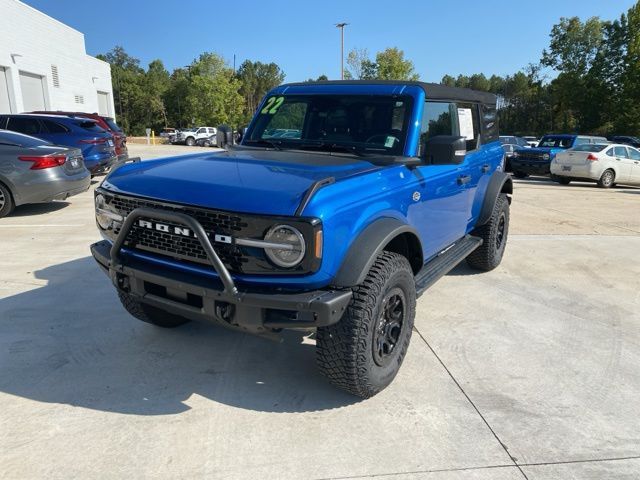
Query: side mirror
(445, 150)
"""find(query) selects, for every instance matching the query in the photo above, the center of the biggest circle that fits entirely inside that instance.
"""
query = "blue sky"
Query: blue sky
(439, 36)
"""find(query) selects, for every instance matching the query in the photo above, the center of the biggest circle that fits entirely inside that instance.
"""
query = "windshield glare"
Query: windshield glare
(556, 142)
(377, 124)
(589, 148)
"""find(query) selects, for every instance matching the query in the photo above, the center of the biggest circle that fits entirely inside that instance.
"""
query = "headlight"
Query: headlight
(292, 246)
(546, 156)
(105, 215)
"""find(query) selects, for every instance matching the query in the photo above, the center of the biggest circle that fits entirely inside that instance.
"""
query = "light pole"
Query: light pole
(341, 27)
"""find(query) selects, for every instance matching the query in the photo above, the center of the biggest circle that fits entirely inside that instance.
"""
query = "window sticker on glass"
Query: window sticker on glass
(272, 105)
(390, 141)
(465, 119)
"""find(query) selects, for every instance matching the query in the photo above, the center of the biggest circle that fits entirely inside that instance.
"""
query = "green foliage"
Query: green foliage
(256, 79)
(390, 64)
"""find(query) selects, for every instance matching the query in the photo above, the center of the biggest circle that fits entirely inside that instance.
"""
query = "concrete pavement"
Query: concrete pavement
(530, 371)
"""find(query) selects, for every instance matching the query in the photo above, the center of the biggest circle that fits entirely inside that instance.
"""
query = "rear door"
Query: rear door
(634, 177)
(441, 198)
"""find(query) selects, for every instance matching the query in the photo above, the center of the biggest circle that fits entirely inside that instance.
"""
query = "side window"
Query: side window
(621, 152)
(210, 131)
(28, 126)
(611, 152)
(201, 130)
(580, 141)
(469, 124)
(489, 123)
(438, 118)
(53, 127)
(634, 154)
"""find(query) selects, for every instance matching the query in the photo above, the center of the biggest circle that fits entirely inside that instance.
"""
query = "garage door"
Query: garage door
(32, 92)
(103, 104)
(5, 106)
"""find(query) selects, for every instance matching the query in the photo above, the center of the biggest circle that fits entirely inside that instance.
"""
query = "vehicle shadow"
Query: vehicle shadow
(38, 208)
(70, 341)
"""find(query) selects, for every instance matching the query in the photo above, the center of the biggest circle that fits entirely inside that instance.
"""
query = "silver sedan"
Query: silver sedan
(34, 171)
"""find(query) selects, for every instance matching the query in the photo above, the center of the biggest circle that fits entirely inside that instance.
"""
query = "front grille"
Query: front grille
(536, 157)
(181, 247)
(237, 259)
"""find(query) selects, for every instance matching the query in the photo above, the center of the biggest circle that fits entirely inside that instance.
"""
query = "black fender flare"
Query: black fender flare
(500, 183)
(366, 247)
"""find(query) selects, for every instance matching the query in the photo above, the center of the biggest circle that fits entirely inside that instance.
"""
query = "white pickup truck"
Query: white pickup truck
(189, 136)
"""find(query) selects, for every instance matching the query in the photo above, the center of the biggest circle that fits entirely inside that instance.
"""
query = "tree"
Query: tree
(629, 121)
(391, 65)
(256, 79)
(357, 60)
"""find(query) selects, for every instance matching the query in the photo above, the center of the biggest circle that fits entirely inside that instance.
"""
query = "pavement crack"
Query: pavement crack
(504, 447)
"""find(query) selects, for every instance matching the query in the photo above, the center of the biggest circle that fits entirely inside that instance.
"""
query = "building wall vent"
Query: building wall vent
(54, 76)
(79, 99)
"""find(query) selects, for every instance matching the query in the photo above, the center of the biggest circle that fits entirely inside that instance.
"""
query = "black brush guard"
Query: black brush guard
(194, 297)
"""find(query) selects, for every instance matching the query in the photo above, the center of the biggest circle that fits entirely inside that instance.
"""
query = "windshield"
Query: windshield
(589, 148)
(556, 142)
(17, 139)
(358, 123)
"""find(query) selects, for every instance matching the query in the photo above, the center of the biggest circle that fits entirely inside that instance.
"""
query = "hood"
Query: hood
(239, 180)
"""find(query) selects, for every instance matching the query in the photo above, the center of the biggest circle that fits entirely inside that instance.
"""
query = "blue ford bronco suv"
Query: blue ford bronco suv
(343, 203)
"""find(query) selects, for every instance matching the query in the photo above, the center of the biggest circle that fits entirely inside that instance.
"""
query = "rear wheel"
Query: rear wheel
(560, 180)
(6, 201)
(520, 175)
(494, 238)
(149, 314)
(607, 179)
(363, 352)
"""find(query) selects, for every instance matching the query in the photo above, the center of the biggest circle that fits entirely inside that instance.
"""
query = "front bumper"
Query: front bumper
(198, 298)
(530, 167)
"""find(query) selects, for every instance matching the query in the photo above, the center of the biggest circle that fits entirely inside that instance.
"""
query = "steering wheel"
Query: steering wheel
(384, 139)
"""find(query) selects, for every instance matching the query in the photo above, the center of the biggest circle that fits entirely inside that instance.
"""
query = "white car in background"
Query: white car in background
(606, 164)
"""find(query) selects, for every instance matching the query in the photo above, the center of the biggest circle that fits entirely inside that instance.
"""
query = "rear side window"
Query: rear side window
(634, 154)
(90, 126)
(621, 152)
(53, 127)
(28, 126)
(589, 148)
(490, 130)
(469, 124)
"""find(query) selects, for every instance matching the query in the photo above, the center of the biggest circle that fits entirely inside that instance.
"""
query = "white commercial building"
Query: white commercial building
(44, 65)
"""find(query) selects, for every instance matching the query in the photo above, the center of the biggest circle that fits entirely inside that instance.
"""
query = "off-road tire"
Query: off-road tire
(607, 179)
(190, 142)
(520, 174)
(149, 314)
(494, 237)
(6, 201)
(345, 350)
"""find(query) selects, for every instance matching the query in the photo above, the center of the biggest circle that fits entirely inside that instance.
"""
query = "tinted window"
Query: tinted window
(28, 126)
(634, 154)
(14, 138)
(437, 119)
(90, 126)
(581, 141)
(490, 123)
(611, 152)
(112, 124)
(53, 127)
(589, 147)
(556, 142)
(507, 140)
(621, 152)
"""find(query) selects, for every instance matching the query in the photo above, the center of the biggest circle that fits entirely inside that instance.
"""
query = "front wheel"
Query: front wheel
(149, 314)
(607, 179)
(494, 237)
(363, 352)
(190, 142)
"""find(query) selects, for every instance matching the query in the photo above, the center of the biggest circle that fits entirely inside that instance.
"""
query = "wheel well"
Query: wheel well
(507, 187)
(13, 198)
(407, 245)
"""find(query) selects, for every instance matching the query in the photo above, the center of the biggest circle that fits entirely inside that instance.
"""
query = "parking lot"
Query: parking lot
(530, 371)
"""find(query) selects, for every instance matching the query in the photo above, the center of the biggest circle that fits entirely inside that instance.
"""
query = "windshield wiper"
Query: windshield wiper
(275, 144)
(335, 147)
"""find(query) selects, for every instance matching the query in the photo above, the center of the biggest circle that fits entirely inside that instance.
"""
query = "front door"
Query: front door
(441, 202)
(634, 155)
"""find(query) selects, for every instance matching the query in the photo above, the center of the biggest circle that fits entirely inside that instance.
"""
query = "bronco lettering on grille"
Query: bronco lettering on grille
(161, 227)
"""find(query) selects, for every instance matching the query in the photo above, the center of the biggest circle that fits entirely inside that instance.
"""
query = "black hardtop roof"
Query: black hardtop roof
(433, 91)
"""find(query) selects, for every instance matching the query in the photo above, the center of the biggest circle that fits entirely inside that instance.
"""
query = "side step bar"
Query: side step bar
(445, 262)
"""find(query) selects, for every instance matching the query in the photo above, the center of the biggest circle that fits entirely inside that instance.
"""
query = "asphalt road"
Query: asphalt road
(530, 371)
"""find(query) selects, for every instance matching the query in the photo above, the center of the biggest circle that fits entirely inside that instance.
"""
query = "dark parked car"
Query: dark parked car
(510, 144)
(207, 142)
(627, 140)
(106, 123)
(96, 144)
(34, 171)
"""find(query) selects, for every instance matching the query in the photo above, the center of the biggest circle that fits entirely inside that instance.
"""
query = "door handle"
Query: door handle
(462, 179)
(485, 168)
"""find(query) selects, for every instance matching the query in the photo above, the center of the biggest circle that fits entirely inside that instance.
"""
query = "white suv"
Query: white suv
(190, 135)
(607, 164)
